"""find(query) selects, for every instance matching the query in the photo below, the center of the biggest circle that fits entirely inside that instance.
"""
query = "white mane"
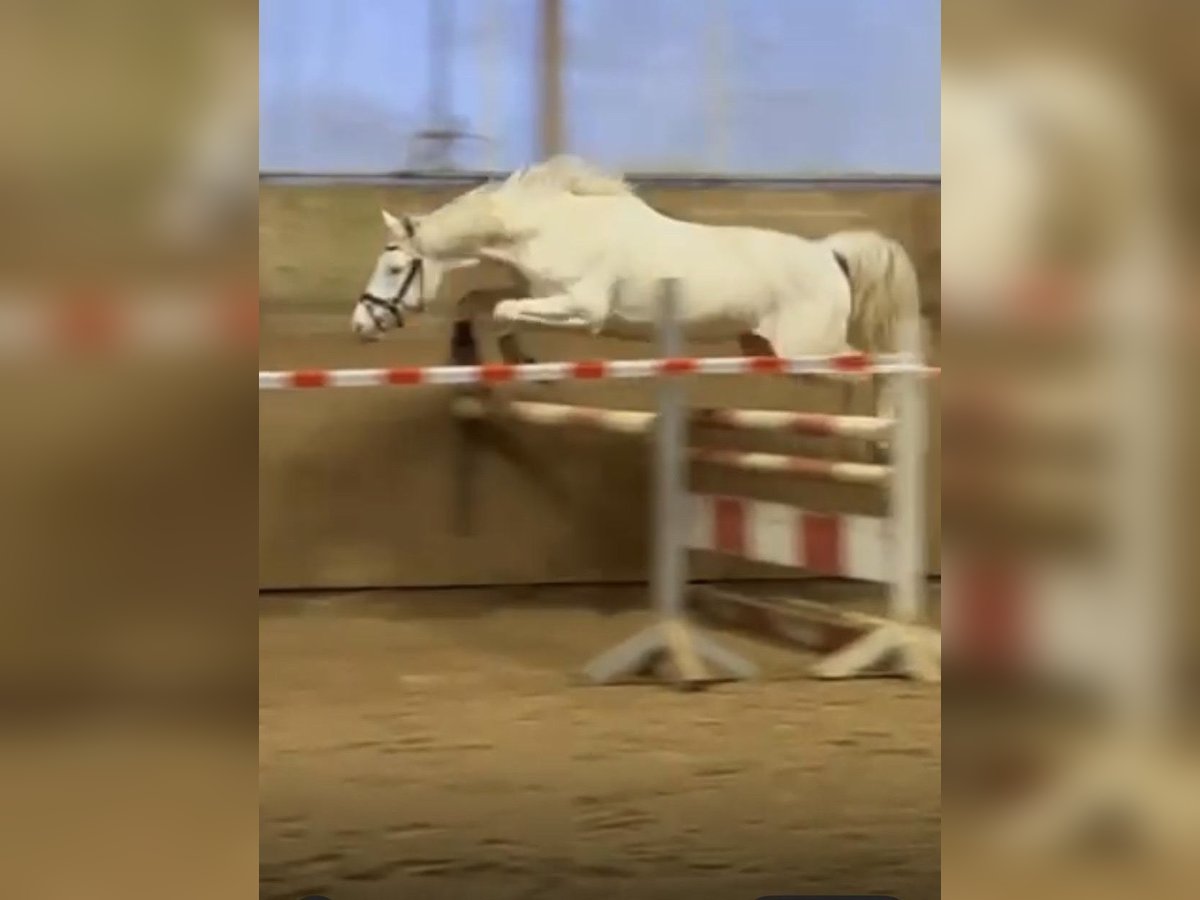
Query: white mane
(570, 174)
(497, 211)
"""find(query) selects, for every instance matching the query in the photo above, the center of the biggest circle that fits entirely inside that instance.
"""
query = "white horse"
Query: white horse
(594, 255)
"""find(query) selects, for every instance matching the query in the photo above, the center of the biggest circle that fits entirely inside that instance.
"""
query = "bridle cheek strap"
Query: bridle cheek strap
(376, 304)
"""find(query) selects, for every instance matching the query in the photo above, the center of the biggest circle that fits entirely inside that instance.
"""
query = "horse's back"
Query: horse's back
(733, 279)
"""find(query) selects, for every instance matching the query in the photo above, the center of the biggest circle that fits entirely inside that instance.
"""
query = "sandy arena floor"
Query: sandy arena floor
(438, 745)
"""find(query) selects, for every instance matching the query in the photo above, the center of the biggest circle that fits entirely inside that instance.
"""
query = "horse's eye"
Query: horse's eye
(395, 270)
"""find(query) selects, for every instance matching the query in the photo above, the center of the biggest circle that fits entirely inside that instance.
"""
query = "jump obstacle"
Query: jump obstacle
(1095, 622)
(836, 545)
(884, 550)
(893, 546)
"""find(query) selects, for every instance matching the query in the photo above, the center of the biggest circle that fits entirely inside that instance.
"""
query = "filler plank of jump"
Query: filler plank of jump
(622, 421)
(810, 467)
(592, 370)
(832, 544)
(638, 422)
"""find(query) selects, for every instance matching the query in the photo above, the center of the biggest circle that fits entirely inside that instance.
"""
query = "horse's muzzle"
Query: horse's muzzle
(379, 310)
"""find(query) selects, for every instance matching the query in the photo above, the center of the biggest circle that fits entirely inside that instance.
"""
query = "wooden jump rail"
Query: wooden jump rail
(532, 412)
(593, 370)
(641, 423)
(869, 428)
(804, 466)
(117, 319)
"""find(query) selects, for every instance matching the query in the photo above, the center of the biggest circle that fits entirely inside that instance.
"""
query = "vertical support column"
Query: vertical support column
(902, 642)
(441, 37)
(716, 70)
(492, 69)
(907, 498)
(1136, 308)
(670, 555)
(550, 79)
(669, 639)
(1130, 772)
(464, 351)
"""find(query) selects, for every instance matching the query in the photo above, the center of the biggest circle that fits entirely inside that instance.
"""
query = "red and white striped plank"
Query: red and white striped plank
(868, 428)
(637, 421)
(1039, 409)
(590, 370)
(1024, 618)
(835, 544)
(809, 467)
(161, 319)
(1044, 299)
(537, 413)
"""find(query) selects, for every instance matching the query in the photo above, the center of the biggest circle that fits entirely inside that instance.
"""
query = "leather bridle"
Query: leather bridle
(378, 306)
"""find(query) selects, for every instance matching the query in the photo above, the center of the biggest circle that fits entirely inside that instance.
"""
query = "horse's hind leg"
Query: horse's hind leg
(808, 329)
(753, 344)
(464, 349)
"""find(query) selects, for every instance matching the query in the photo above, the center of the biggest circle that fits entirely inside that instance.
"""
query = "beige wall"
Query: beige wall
(358, 488)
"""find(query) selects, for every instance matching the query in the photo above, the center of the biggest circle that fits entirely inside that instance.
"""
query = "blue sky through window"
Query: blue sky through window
(748, 87)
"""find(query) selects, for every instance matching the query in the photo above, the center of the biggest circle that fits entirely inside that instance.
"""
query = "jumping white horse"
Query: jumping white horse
(594, 254)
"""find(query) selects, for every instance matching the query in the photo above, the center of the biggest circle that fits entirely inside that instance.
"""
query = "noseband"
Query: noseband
(377, 305)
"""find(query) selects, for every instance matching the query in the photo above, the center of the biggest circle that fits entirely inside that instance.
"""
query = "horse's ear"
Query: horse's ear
(394, 225)
(409, 226)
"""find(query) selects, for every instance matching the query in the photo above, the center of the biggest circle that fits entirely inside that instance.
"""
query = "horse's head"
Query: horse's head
(399, 282)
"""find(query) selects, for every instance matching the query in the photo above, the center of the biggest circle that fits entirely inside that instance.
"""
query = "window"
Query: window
(737, 87)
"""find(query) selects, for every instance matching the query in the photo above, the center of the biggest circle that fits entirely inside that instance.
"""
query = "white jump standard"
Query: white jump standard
(671, 639)
(885, 550)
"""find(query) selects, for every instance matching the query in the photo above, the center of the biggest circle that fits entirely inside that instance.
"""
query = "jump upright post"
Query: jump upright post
(670, 640)
(885, 549)
(918, 649)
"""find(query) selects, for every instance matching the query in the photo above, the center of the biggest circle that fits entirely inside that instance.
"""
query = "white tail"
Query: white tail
(883, 291)
(885, 302)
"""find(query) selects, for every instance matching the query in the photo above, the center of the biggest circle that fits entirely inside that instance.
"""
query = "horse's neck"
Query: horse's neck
(436, 271)
(559, 234)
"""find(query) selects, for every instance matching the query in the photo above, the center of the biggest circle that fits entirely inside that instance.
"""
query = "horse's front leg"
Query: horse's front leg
(558, 311)
(482, 302)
